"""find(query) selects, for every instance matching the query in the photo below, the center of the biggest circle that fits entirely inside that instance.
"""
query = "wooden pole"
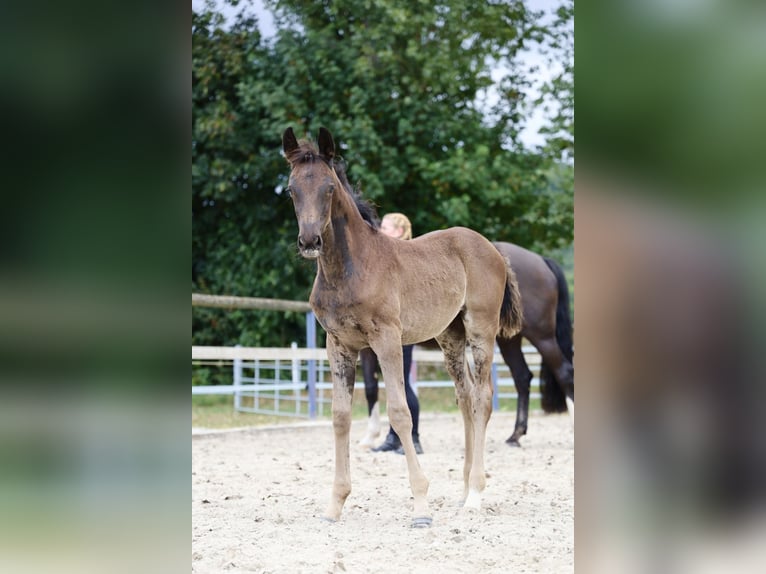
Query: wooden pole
(231, 302)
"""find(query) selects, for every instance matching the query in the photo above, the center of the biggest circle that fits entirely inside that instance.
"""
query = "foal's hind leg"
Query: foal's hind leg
(522, 376)
(482, 347)
(343, 364)
(452, 343)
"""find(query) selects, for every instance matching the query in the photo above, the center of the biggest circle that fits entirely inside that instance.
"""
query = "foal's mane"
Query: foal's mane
(307, 152)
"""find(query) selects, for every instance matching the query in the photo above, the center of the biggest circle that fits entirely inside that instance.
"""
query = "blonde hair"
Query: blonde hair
(401, 221)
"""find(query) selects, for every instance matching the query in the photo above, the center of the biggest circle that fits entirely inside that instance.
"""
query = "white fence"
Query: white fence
(299, 377)
(296, 381)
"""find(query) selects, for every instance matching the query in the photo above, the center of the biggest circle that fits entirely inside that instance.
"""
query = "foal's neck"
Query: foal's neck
(344, 240)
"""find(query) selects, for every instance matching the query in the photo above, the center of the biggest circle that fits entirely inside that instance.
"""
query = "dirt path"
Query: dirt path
(257, 496)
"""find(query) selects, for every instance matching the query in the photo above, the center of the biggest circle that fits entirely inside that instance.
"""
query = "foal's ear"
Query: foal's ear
(289, 143)
(326, 145)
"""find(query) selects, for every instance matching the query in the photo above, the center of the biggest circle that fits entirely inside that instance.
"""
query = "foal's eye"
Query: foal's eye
(329, 190)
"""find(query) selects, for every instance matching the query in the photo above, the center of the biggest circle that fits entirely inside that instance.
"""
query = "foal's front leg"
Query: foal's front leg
(343, 364)
(388, 348)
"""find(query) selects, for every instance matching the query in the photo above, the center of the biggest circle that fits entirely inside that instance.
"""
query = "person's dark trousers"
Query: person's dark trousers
(392, 441)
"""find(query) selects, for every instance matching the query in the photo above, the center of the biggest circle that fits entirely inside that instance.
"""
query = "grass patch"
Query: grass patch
(217, 411)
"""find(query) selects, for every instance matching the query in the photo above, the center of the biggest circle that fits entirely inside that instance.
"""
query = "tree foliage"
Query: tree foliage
(558, 93)
(407, 89)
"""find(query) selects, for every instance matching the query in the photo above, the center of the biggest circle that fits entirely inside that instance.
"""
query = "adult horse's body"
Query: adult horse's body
(547, 325)
(375, 291)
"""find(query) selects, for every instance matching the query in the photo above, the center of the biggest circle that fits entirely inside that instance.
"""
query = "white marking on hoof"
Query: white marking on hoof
(570, 407)
(367, 441)
(473, 500)
(373, 428)
(374, 423)
(327, 519)
(422, 522)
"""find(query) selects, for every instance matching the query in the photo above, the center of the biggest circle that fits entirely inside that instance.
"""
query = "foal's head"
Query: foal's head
(311, 187)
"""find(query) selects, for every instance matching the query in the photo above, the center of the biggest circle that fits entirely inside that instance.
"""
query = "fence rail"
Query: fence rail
(297, 381)
(300, 376)
(201, 353)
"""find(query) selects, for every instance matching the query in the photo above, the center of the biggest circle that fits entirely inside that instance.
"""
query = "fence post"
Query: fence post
(237, 381)
(311, 343)
(296, 372)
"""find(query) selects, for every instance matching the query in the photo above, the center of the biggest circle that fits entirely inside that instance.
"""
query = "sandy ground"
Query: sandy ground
(258, 495)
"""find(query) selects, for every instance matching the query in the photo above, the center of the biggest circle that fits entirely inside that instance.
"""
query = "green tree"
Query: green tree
(402, 84)
(557, 95)
(241, 229)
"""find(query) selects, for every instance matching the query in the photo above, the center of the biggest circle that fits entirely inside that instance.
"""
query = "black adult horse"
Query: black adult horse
(547, 325)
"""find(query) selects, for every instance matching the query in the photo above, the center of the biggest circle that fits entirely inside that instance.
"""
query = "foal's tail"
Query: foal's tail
(553, 399)
(511, 312)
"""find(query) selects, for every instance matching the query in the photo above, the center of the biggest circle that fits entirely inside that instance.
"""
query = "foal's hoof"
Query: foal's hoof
(422, 522)
(327, 519)
(512, 442)
(473, 500)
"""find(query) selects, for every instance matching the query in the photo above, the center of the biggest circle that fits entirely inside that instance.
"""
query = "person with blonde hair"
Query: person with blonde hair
(394, 225)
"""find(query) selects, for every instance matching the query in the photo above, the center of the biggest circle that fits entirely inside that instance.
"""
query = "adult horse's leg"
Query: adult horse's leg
(388, 348)
(562, 369)
(343, 365)
(369, 372)
(522, 376)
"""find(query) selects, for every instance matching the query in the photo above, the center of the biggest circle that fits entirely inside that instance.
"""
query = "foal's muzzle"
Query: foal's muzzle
(310, 247)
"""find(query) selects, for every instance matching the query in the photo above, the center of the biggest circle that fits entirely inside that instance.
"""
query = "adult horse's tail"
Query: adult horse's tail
(511, 313)
(553, 399)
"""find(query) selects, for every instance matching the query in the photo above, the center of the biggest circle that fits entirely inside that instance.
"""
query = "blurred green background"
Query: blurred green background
(95, 251)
